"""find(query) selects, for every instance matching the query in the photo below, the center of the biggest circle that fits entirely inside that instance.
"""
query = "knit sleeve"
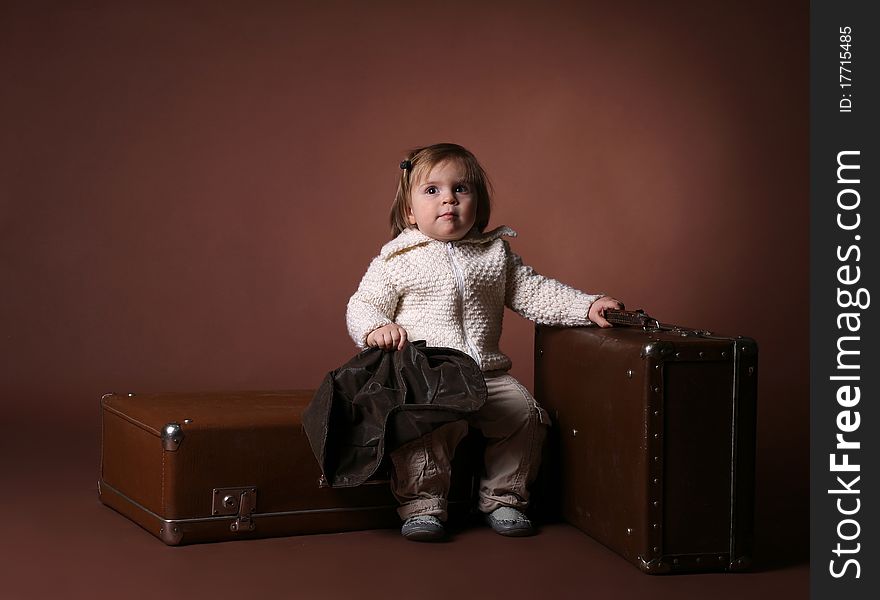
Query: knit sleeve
(373, 304)
(544, 300)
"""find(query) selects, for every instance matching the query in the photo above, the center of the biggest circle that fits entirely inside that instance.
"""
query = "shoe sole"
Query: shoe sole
(425, 535)
(518, 532)
(511, 530)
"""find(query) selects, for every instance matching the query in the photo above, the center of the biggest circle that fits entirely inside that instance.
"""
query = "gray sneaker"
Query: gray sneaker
(510, 522)
(423, 528)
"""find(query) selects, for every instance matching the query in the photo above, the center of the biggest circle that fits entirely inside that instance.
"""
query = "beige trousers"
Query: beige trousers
(514, 427)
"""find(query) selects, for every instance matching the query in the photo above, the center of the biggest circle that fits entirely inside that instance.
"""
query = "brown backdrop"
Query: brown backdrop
(191, 191)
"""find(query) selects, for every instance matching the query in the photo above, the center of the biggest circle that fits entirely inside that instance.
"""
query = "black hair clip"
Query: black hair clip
(406, 165)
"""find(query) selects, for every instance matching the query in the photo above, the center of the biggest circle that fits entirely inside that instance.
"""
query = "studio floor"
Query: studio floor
(60, 542)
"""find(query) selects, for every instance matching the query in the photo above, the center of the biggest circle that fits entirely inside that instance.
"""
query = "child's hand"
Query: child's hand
(597, 310)
(388, 337)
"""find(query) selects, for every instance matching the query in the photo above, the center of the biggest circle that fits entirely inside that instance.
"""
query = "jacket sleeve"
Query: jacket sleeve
(544, 300)
(373, 304)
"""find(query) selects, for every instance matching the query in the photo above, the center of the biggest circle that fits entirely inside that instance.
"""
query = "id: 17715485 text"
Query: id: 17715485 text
(846, 73)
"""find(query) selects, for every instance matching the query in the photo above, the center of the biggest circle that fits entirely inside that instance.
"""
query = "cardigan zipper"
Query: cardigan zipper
(459, 281)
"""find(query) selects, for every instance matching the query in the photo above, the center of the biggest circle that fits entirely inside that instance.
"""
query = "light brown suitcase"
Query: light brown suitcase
(207, 467)
(653, 446)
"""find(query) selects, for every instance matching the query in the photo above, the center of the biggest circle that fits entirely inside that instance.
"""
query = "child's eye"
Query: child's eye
(431, 190)
(462, 188)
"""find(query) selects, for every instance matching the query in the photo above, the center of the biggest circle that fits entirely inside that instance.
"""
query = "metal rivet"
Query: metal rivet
(541, 352)
(656, 548)
(724, 355)
(656, 366)
(629, 531)
(656, 436)
(721, 558)
(229, 501)
(187, 421)
(130, 395)
(675, 561)
(751, 370)
(656, 480)
(701, 355)
(656, 413)
(678, 355)
(656, 389)
(629, 373)
(656, 503)
(656, 458)
(574, 432)
(656, 526)
(699, 560)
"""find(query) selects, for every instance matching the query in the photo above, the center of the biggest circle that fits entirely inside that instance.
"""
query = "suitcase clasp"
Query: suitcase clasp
(241, 502)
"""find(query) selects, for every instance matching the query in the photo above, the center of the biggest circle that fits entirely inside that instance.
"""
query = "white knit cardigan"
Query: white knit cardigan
(453, 294)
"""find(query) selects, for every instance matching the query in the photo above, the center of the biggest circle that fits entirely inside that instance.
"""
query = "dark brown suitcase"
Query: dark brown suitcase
(653, 448)
(209, 467)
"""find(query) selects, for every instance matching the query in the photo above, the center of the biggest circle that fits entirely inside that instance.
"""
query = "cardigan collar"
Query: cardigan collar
(412, 237)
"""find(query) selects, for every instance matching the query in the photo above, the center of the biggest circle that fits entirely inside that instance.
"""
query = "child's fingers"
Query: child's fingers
(601, 322)
(388, 339)
(402, 342)
(599, 317)
(395, 337)
(597, 311)
(609, 302)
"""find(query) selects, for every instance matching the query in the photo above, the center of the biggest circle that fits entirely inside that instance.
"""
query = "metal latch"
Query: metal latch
(239, 501)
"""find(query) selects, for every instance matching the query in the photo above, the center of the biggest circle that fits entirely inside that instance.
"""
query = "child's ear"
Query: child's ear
(410, 216)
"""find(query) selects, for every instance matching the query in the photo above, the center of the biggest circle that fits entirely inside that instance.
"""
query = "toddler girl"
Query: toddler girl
(445, 280)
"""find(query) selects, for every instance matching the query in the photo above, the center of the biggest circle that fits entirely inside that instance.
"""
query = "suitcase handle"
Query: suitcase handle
(639, 318)
(631, 318)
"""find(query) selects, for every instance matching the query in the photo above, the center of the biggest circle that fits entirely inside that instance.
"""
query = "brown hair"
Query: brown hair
(419, 161)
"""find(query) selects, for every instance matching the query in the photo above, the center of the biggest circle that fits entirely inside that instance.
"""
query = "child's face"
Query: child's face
(442, 203)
